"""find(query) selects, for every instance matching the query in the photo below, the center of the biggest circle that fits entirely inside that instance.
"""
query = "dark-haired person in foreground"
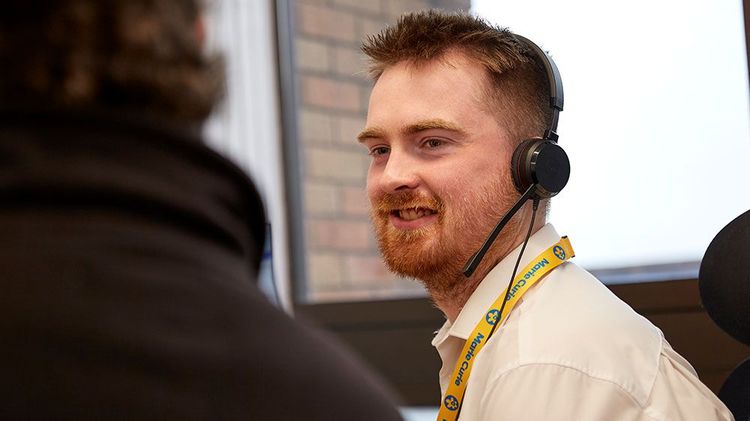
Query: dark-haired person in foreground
(453, 98)
(129, 250)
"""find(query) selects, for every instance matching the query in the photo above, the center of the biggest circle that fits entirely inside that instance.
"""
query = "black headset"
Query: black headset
(540, 167)
(542, 162)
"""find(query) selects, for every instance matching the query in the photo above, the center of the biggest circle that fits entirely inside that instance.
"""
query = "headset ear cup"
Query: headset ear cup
(541, 162)
(520, 164)
(549, 168)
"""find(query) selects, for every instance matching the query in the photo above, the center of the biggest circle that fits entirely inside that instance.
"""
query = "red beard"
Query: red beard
(437, 252)
(408, 252)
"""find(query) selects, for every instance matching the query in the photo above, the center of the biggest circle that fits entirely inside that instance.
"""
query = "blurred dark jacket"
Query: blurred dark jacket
(127, 270)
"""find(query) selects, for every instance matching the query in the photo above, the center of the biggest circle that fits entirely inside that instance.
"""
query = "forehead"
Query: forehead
(450, 88)
(451, 62)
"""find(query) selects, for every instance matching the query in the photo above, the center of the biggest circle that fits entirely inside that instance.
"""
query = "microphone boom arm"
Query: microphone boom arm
(474, 261)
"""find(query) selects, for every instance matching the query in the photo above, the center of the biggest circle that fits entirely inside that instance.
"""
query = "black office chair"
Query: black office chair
(724, 283)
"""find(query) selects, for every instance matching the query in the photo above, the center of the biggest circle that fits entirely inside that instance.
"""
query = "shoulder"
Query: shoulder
(576, 305)
(573, 321)
(571, 333)
(539, 391)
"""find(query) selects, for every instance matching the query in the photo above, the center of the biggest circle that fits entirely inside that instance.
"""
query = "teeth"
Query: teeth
(412, 213)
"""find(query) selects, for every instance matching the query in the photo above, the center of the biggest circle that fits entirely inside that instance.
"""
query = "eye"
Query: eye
(379, 150)
(434, 143)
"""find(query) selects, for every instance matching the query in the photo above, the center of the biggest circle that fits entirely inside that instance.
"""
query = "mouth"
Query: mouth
(412, 214)
(408, 211)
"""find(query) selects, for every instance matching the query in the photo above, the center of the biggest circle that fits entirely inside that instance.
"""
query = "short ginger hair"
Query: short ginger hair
(517, 88)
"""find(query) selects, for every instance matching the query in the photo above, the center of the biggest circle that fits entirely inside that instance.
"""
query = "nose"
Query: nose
(400, 172)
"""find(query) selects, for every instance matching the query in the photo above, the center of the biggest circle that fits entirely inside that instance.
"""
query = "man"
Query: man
(130, 249)
(453, 97)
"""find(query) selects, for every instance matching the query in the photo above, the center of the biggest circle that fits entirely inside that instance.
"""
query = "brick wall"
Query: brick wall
(341, 252)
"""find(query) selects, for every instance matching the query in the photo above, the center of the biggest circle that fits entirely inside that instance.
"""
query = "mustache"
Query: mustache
(406, 199)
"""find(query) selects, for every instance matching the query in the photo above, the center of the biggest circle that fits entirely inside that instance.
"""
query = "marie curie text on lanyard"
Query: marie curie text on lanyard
(541, 265)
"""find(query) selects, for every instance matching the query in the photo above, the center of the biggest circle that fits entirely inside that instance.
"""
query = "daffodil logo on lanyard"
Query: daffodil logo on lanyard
(540, 266)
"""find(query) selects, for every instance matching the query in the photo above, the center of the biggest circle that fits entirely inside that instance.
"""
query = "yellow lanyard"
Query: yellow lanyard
(530, 275)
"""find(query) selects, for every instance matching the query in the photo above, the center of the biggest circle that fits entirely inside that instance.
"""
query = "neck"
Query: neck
(450, 289)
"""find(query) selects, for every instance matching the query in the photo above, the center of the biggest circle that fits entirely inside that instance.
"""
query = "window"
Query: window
(656, 122)
(656, 110)
(245, 127)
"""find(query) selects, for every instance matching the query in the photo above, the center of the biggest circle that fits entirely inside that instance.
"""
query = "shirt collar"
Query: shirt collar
(495, 283)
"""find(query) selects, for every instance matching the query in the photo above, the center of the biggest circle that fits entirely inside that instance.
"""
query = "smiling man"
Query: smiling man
(453, 98)
(434, 147)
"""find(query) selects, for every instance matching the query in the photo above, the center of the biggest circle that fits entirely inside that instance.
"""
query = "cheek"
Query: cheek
(371, 188)
(370, 193)
(476, 193)
(456, 185)
(472, 176)
(455, 191)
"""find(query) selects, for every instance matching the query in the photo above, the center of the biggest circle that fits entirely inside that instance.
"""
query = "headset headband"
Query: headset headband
(540, 167)
(557, 98)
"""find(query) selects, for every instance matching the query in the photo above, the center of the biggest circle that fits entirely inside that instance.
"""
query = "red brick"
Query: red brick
(341, 235)
(315, 127)
(398, 7)
(337, 95)
(369, 6)
(321, 199)
(350, 62)
(312, 55)
(324, 271)
(354, 201)
(332, 164)
(325, 22)
(347, 129)
(366, 269)
(369, 27)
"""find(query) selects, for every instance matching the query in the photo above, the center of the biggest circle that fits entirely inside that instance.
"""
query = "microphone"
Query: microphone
(475, 259)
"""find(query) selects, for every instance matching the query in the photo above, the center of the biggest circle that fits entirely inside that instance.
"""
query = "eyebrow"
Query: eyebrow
(420, 126)
(371, 133)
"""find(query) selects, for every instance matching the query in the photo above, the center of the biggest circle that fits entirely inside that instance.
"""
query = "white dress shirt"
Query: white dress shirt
(570, 350)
